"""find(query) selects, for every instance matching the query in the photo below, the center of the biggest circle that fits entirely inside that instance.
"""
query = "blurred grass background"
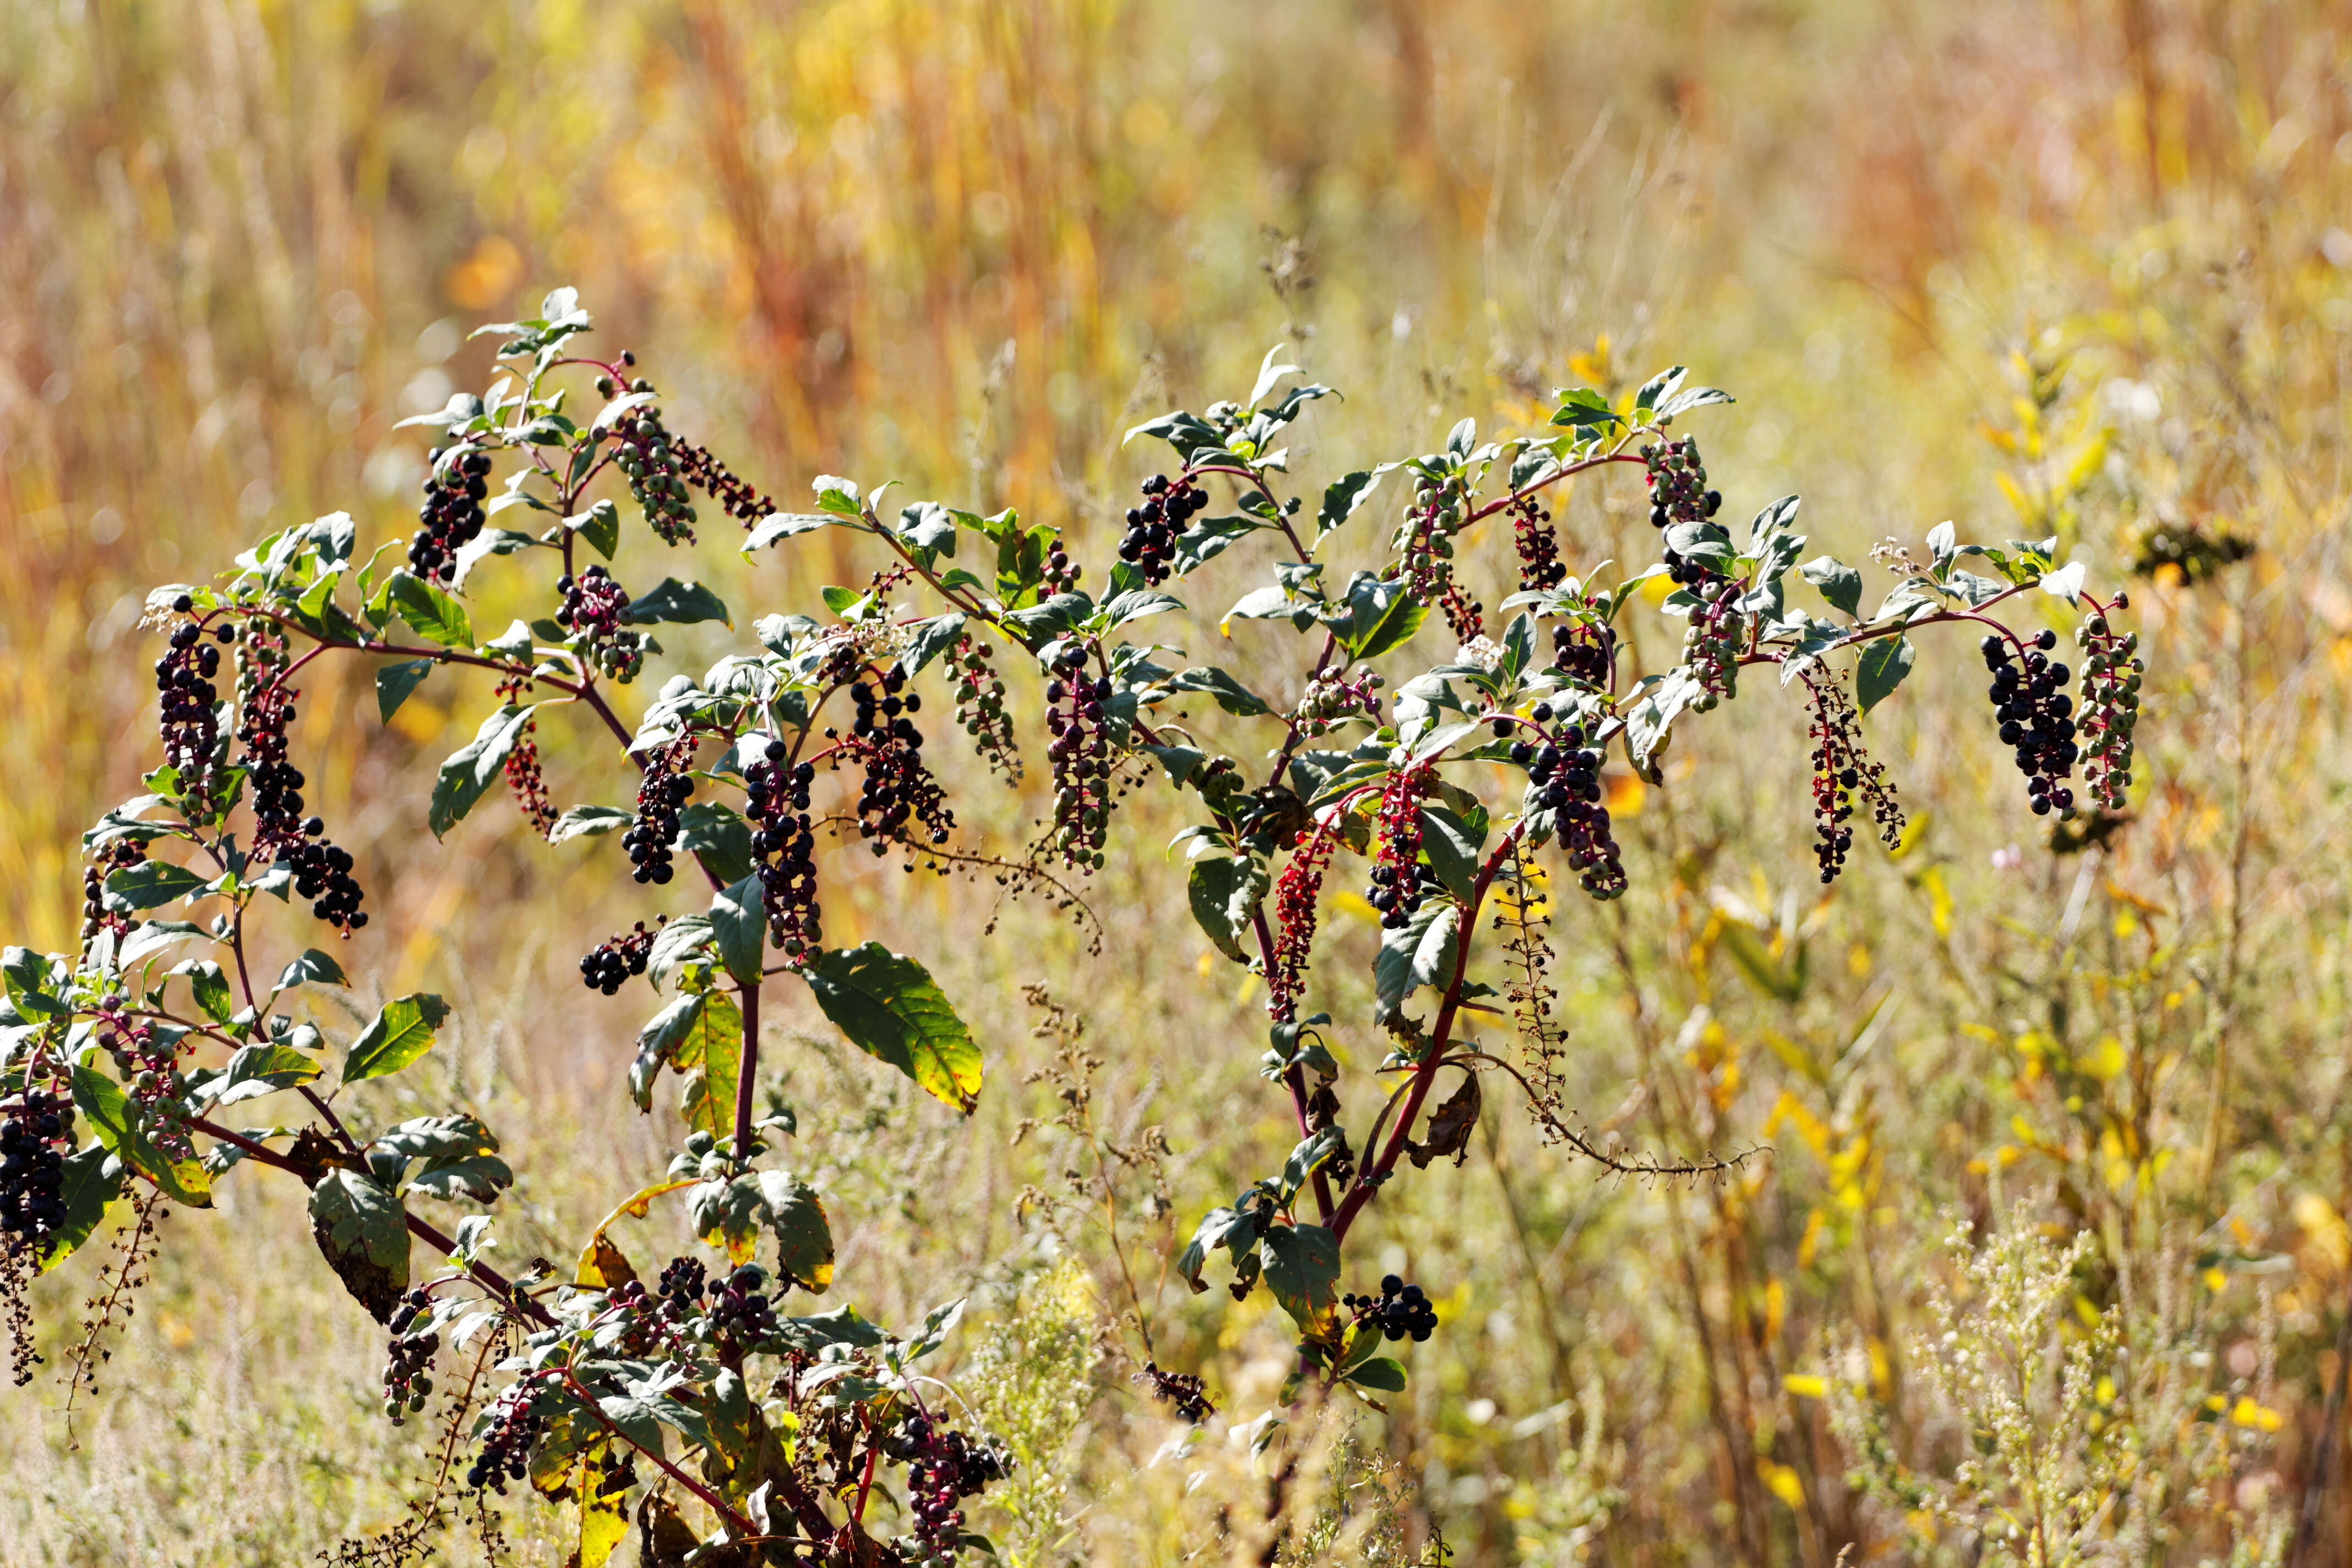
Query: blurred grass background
(2077, 268)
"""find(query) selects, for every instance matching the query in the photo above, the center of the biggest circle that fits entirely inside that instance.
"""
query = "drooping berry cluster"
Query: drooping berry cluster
(740, 1314)
(1331, 697)
(408, 1357)
(2036, 716)
(265, 707)
(1540, 566)
(650, 1324)
(1400, 881)
(1564, 778)
(594, 608)
(609, 967)
(899, 790)
(524, 779)
(1295, 896)
(1400, 1310)
(1585, 653)
(452, 516)
(1183, 1391)
(2111, 678)
(1061, 574)
(1080, 753)
(509, 1431)
(120, 856)
(149, 1067)
(1840, 768)
(1714, 637)
(1677, 482)
(980, 708)
(651, 465)
(1427, 540)
(184, 686)
(1153, 527)
(661, 790)
(35, 1126)
(322, 874)
(786, 848)
(736, 497)
(943, 1467)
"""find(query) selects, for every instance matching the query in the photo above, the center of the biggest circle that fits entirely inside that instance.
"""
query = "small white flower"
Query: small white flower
(1484, 652)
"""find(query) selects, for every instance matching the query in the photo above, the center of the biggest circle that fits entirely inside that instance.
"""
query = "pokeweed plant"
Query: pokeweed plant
(1463, 791)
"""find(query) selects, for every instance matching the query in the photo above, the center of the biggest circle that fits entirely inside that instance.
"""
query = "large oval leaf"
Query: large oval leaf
(399, 1035)
(890, 1007)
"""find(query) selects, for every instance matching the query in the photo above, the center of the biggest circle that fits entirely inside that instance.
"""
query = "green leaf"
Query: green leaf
(116, 1123)
(890, 1007)
(257, 1071)
(784, 525)
(436, 1137)
(149, 884)
(398, 1036)
(362, 1230)
(932, 637)
(393, 682)
(1581, 406)
(1452, 846)
(681, 603)
(1383, 615)
(1302, 1269)
(588, 821)
(717, 835)
(472, 770)
(211, 988)
(1212, 888)
(1230, 694)
(739, 920)
(481, 1177)
(837, 496)
(430, 613)
(312, 968)
(711, 1047)
(93, 1182)
(658, 1041)
(599, 525)
(1384, 1373)
(1418, 953)
(1343, 497)
(1884, 664)
(804, 1236)
(1839, 583)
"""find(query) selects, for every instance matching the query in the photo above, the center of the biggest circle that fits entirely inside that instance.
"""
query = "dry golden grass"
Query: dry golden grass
(967, 244)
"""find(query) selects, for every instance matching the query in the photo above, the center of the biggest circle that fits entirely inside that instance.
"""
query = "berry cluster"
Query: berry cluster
(1080, 753)
(2111, 676)
(1564, 778)
(409, 1359)
(594, 606)
(1183, 1391)
(1427, 540)
(1398, 1310)
(509, 1430)
(1330, 699)
(1400, 881)
(184, 685)
(1152, 528)
(120, 856)
(980, 708)
(524, 779)
(33, 1126)
(2036, 718)
(682, 1281)
(452, 515)
(149, 1067)
(1840, 769)
(647, 460)
(786, 848)
(1294, 897)
(740, 1312)
(943, 1467)
(1585, 653)
(1540, 566)
(265, 707)
(736, 497)
(1677, 482)
(1061, 574)
(898, 788)
(609, 967)
(661, 790)
(322, 874)
(1714, 637)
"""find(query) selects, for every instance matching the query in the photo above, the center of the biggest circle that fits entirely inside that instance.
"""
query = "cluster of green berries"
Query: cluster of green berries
(655, 473)
(980, 708)
(1713, 640)
(2111, 676)
(1677, 482)
(1438, 511)
(408, 1357)
(595, 608)
(452, 515)
(1331, 697)
(1397, 1311)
